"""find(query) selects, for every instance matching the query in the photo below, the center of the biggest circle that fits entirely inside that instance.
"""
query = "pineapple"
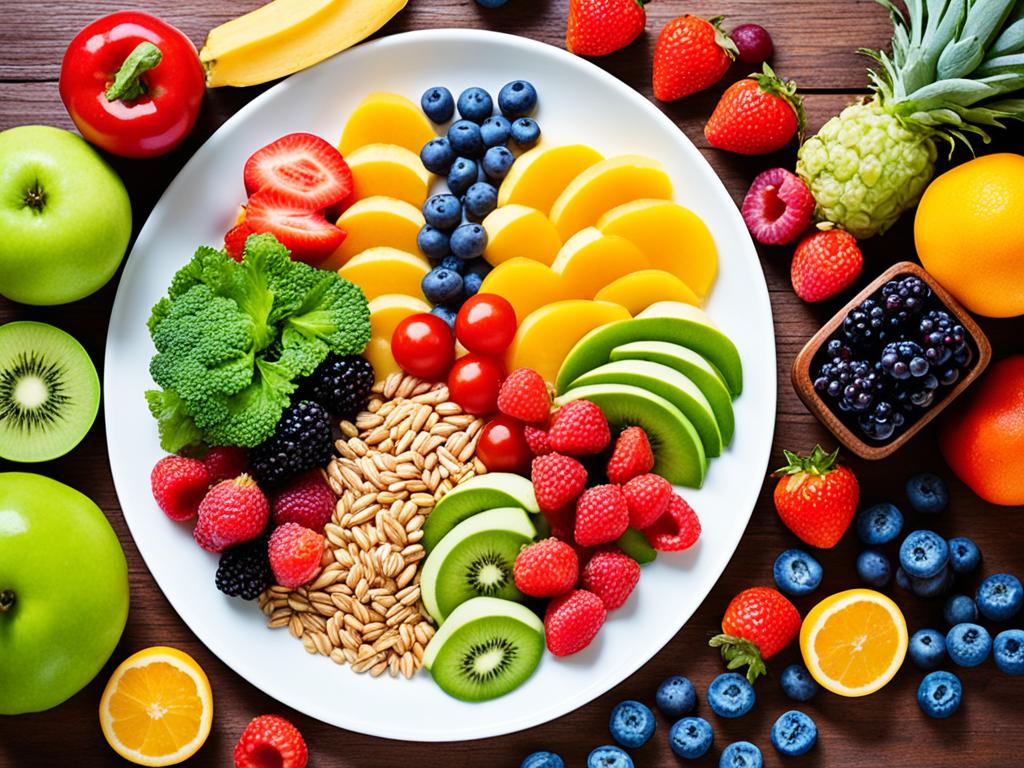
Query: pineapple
(953, 71)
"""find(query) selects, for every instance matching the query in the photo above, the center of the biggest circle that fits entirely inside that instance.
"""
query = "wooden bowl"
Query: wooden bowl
(804, 384)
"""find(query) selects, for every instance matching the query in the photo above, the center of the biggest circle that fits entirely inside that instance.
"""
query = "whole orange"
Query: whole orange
(969, 235)
(983, 438)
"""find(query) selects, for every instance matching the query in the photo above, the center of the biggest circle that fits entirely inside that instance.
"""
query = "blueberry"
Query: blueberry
(879, 524)
(478, 266)
(542, 760)
(517, 99)
(730, 695)
(462, 176)
(438, 104)
(525, 132)
(960, 609)
(609, 757)
(676, 696)
(873, 568)
(471, 284)
(933, 586)
(454, 263)
(443, 211)
(902, 580)
(690, 737)
(923, 553)
(927, 493)
(797, 683)
(497, 162)
(631, 723)
(437, 156)
(446, 313)
(495, 131)
(1008, 651)
(481, 199)
(432, 242)
(794, 733)
(440, 285)
(465, 139)
(964, 555)
(796, 572)
(491, 3)
(469, 241)
(1000, 596)
(475, 104)
(741, 754)
(939, 694)
(968, 645)
(927, 648)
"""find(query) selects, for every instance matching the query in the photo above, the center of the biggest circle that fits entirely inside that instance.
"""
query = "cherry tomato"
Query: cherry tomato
(502, 447)
(473, 383)
(486, 324)
(423, 346)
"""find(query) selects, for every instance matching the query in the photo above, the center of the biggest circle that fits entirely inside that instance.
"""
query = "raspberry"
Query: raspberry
(557, 480)
(632, 456)
(224, 462)
(295, 554)
(647, 497)
(306, 500)
(579, 429)
(547, 568)
(232, 511)
(179, 485)
(524, 396)
(572, 621)
(677, 529)
(271, 740)
(778, 207)
(537, 439)
(611, 575)
(601, 515)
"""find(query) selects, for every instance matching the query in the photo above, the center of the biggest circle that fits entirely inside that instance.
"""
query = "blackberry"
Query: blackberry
(865, 324)
(341, 384)
(301, 441)
(852, 383)
(244, 569)
(940, 336)
(903, 360)
(882, 421)
(904, 299)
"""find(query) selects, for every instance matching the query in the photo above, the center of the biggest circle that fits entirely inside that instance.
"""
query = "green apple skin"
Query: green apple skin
(64, 214)
(64, 568)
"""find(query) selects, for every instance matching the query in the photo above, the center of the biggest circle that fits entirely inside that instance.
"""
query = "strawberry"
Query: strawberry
(632, 456)
(234, 240)
(601, 515)
(676, 530)
(306, 500)
(778, 207)
(755, 116)
(758, 623)
(295, 553)
(579, 428)
(816, 497)
(308, 173)
(524, 395)
(572, 621)
(307, 234)
(825, 264)
(547, 568)
(179, 485)
(612, 576)
(271, 740)
(600, 27)
(691, 54)
(647, 497)
(537, 439)
(557, 481)
(224, 462)
(231, 512)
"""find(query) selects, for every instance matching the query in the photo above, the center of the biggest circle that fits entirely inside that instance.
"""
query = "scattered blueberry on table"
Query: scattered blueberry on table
(691, 737)
(923, 554)
(731, 695)
(631, 723)
(968, 645)
(927, 648)
(879, 524)
(1000, 597)
(543, 760)
(1008, 651)
(796, 572)
(741, 754)
(932, 586)
(797, 683)
(794, 733)
(960, 609)
(964, 555)
(939, 694)
(927, 493)
(676, 696)
(873, 568)
(609, 757)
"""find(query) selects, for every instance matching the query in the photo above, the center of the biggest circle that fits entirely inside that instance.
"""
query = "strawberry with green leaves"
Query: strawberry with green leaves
(816, 497)
(691, 54)
(756, 116)
(758, 623)
(600, 27)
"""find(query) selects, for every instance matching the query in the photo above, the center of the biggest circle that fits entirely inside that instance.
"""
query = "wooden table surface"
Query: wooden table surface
(815, 43)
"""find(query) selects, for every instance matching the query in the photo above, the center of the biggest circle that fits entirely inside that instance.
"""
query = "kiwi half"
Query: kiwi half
(49, 392)
(487, 648)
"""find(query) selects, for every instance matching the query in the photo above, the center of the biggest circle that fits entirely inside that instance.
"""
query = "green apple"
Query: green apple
(64, 214)
(63, 592)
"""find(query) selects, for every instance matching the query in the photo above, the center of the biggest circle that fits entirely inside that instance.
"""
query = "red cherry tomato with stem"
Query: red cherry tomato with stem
(486, 323)
(474, 381)
(423, 346)
(502, 446)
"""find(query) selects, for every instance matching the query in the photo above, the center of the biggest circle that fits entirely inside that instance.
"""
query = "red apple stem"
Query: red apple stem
(6, 600)
(128, 83)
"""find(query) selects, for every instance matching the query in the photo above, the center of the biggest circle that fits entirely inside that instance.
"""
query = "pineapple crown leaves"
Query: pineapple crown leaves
(737, 652)
(768, 82)
(722, 38)
(817, 462)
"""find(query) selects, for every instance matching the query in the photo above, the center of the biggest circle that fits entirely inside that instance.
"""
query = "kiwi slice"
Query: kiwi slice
(635, 544)
(49, 392)
(475, 559)
(487, 648)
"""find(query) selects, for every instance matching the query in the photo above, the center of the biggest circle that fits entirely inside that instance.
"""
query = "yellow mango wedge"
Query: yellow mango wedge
(517, 230)
(539, 175)
(637, 291)
(525, 283)
(591, 260)
(375, 222)
(285, 36)
(673, 237)
(606, 185)
(545, 336)
(386, 312)
(386, 118)
(384, 270)
(388, 170)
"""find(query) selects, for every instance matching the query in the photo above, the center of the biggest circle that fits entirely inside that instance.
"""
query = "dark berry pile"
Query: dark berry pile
(244, 569)
(301, 441)
(890, 359)
(341, 384)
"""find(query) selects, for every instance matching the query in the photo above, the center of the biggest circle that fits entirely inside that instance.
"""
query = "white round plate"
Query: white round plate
(579, 102)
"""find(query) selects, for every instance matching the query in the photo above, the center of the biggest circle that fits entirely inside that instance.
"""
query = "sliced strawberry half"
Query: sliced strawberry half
(304, 169)
(234, 240)
(677, 529)
(307, 234)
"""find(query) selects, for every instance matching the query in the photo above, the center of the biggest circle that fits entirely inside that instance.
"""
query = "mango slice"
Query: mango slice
(386, 312)
(387, 118)
(539, 175)
(517, 230)
(590, 260)
(374, 222)
(384, 270)
(388, 170)
(525, 283)
(636, 292)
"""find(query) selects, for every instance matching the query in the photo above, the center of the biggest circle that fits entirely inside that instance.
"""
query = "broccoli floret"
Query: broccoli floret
(254, 412)
(334, 317)
(178, 431)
